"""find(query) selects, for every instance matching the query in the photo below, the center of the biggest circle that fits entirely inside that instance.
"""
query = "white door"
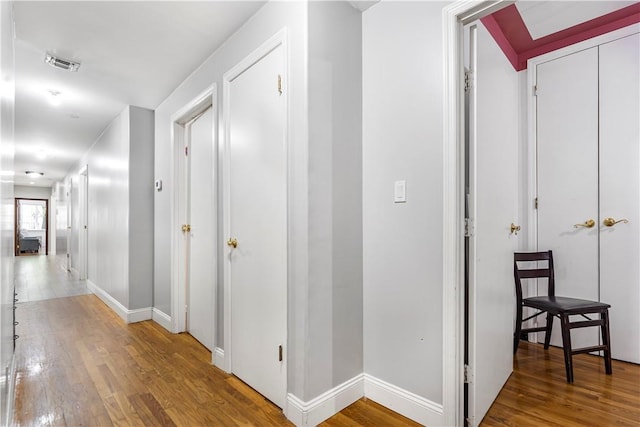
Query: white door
(257, 221)
(493, 132)
(567, 178)
(202, 219)
(620, 192)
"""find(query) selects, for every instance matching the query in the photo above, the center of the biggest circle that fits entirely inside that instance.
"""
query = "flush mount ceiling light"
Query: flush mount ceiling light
(62, 64)
(34, 174)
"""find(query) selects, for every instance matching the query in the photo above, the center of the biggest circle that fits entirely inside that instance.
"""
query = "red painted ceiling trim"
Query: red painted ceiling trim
(496, 32)
(511, 34)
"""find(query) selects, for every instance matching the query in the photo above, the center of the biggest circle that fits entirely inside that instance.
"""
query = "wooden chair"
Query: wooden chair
(561, 307)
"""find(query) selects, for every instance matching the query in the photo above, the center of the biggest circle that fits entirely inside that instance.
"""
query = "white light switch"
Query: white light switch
(400, 192)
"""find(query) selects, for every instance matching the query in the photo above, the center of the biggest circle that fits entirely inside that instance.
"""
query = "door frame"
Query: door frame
(83, 209)
(454, 17)
(278, 39)
(16, 232)
(178, 196)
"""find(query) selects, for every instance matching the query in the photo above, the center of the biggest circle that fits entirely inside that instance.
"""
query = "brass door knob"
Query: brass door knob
(232, 243)
(610, 222)
(515, 229)
(587, 224)
(186, 228)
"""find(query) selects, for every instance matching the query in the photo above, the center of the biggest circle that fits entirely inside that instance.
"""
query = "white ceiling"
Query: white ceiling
(547, 17)
(131, 53)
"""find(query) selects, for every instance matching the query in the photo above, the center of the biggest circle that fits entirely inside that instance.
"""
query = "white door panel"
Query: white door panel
(567, 177)
(201, 255)
(620, 192)
(493, 129)
(257, 194)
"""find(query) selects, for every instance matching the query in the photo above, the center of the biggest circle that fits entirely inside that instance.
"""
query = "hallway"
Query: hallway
(79, 364)
(41, 277)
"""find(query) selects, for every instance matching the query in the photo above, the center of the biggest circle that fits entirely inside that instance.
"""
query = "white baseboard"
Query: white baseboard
(326, 405)
(218, 358)
(161, 318)
(129, 316)
(404, 402)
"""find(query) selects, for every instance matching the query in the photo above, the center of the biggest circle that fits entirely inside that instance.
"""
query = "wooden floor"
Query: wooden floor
(537, 393)
(78, 364)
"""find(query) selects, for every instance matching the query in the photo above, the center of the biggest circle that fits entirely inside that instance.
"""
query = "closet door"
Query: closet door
(567, 178)
(620, 192)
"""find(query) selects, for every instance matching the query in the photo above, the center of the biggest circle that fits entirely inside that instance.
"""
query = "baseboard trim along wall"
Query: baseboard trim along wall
(161, 319)
(404, 402)
(218, 358)
(129, 316)
(326, 405)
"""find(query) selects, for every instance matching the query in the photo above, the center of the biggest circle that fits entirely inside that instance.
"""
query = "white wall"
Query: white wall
(402, 140)
(265, 23)
(27, 192)
(140, 208)
(334, 349)
(120, 219)
(6, 210)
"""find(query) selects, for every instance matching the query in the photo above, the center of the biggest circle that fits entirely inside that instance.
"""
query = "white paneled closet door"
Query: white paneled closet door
(620, 192)
(567, 173)
(588, 169)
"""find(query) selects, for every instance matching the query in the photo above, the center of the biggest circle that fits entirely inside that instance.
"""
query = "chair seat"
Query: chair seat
(556, 305)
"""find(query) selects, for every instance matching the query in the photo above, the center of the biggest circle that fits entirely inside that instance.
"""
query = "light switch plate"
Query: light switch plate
(400, 192)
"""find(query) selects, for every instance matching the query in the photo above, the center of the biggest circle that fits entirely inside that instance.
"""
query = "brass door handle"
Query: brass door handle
(232, 243)
(186, 228)
(587, 224)
(610, 222)
(515, 229)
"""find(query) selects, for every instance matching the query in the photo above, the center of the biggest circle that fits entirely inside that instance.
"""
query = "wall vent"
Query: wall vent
(62, 64)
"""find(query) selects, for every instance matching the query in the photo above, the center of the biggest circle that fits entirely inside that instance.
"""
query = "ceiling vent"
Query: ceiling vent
(62, 64)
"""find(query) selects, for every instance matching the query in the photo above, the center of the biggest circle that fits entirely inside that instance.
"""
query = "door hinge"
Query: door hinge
(279, 84)
(469, 421)
(468, 374)
(186, 150)
(280, 353)
(468, 227)
(468, 80)
(535, 90)
(535, 203)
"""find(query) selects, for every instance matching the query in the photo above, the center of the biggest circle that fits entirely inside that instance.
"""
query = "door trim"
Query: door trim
(454, 17)
(16, 232)
(278, 39)
(206, 99)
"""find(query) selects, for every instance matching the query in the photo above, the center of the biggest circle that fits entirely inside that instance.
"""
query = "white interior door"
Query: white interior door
(567, 178)
(83, 224)
(257, 220)
(202, 219)
(620, 192)
(493, 132)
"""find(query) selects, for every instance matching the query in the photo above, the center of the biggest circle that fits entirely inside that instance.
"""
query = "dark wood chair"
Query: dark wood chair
(561, 307)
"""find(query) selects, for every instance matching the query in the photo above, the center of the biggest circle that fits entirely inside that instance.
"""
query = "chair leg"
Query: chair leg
(547, 333)
(566, 345)
(606, 341)
(518, 331)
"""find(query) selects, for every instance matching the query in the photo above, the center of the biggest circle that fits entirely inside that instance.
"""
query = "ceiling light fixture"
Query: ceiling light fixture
(34, 174)
(61, 64)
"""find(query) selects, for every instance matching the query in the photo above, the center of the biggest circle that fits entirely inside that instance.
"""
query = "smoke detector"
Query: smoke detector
(62, 64)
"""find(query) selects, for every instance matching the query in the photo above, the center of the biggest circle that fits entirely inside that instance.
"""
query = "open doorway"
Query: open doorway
(31, 226)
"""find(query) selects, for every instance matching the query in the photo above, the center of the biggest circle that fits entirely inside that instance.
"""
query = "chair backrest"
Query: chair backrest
(536, 272)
